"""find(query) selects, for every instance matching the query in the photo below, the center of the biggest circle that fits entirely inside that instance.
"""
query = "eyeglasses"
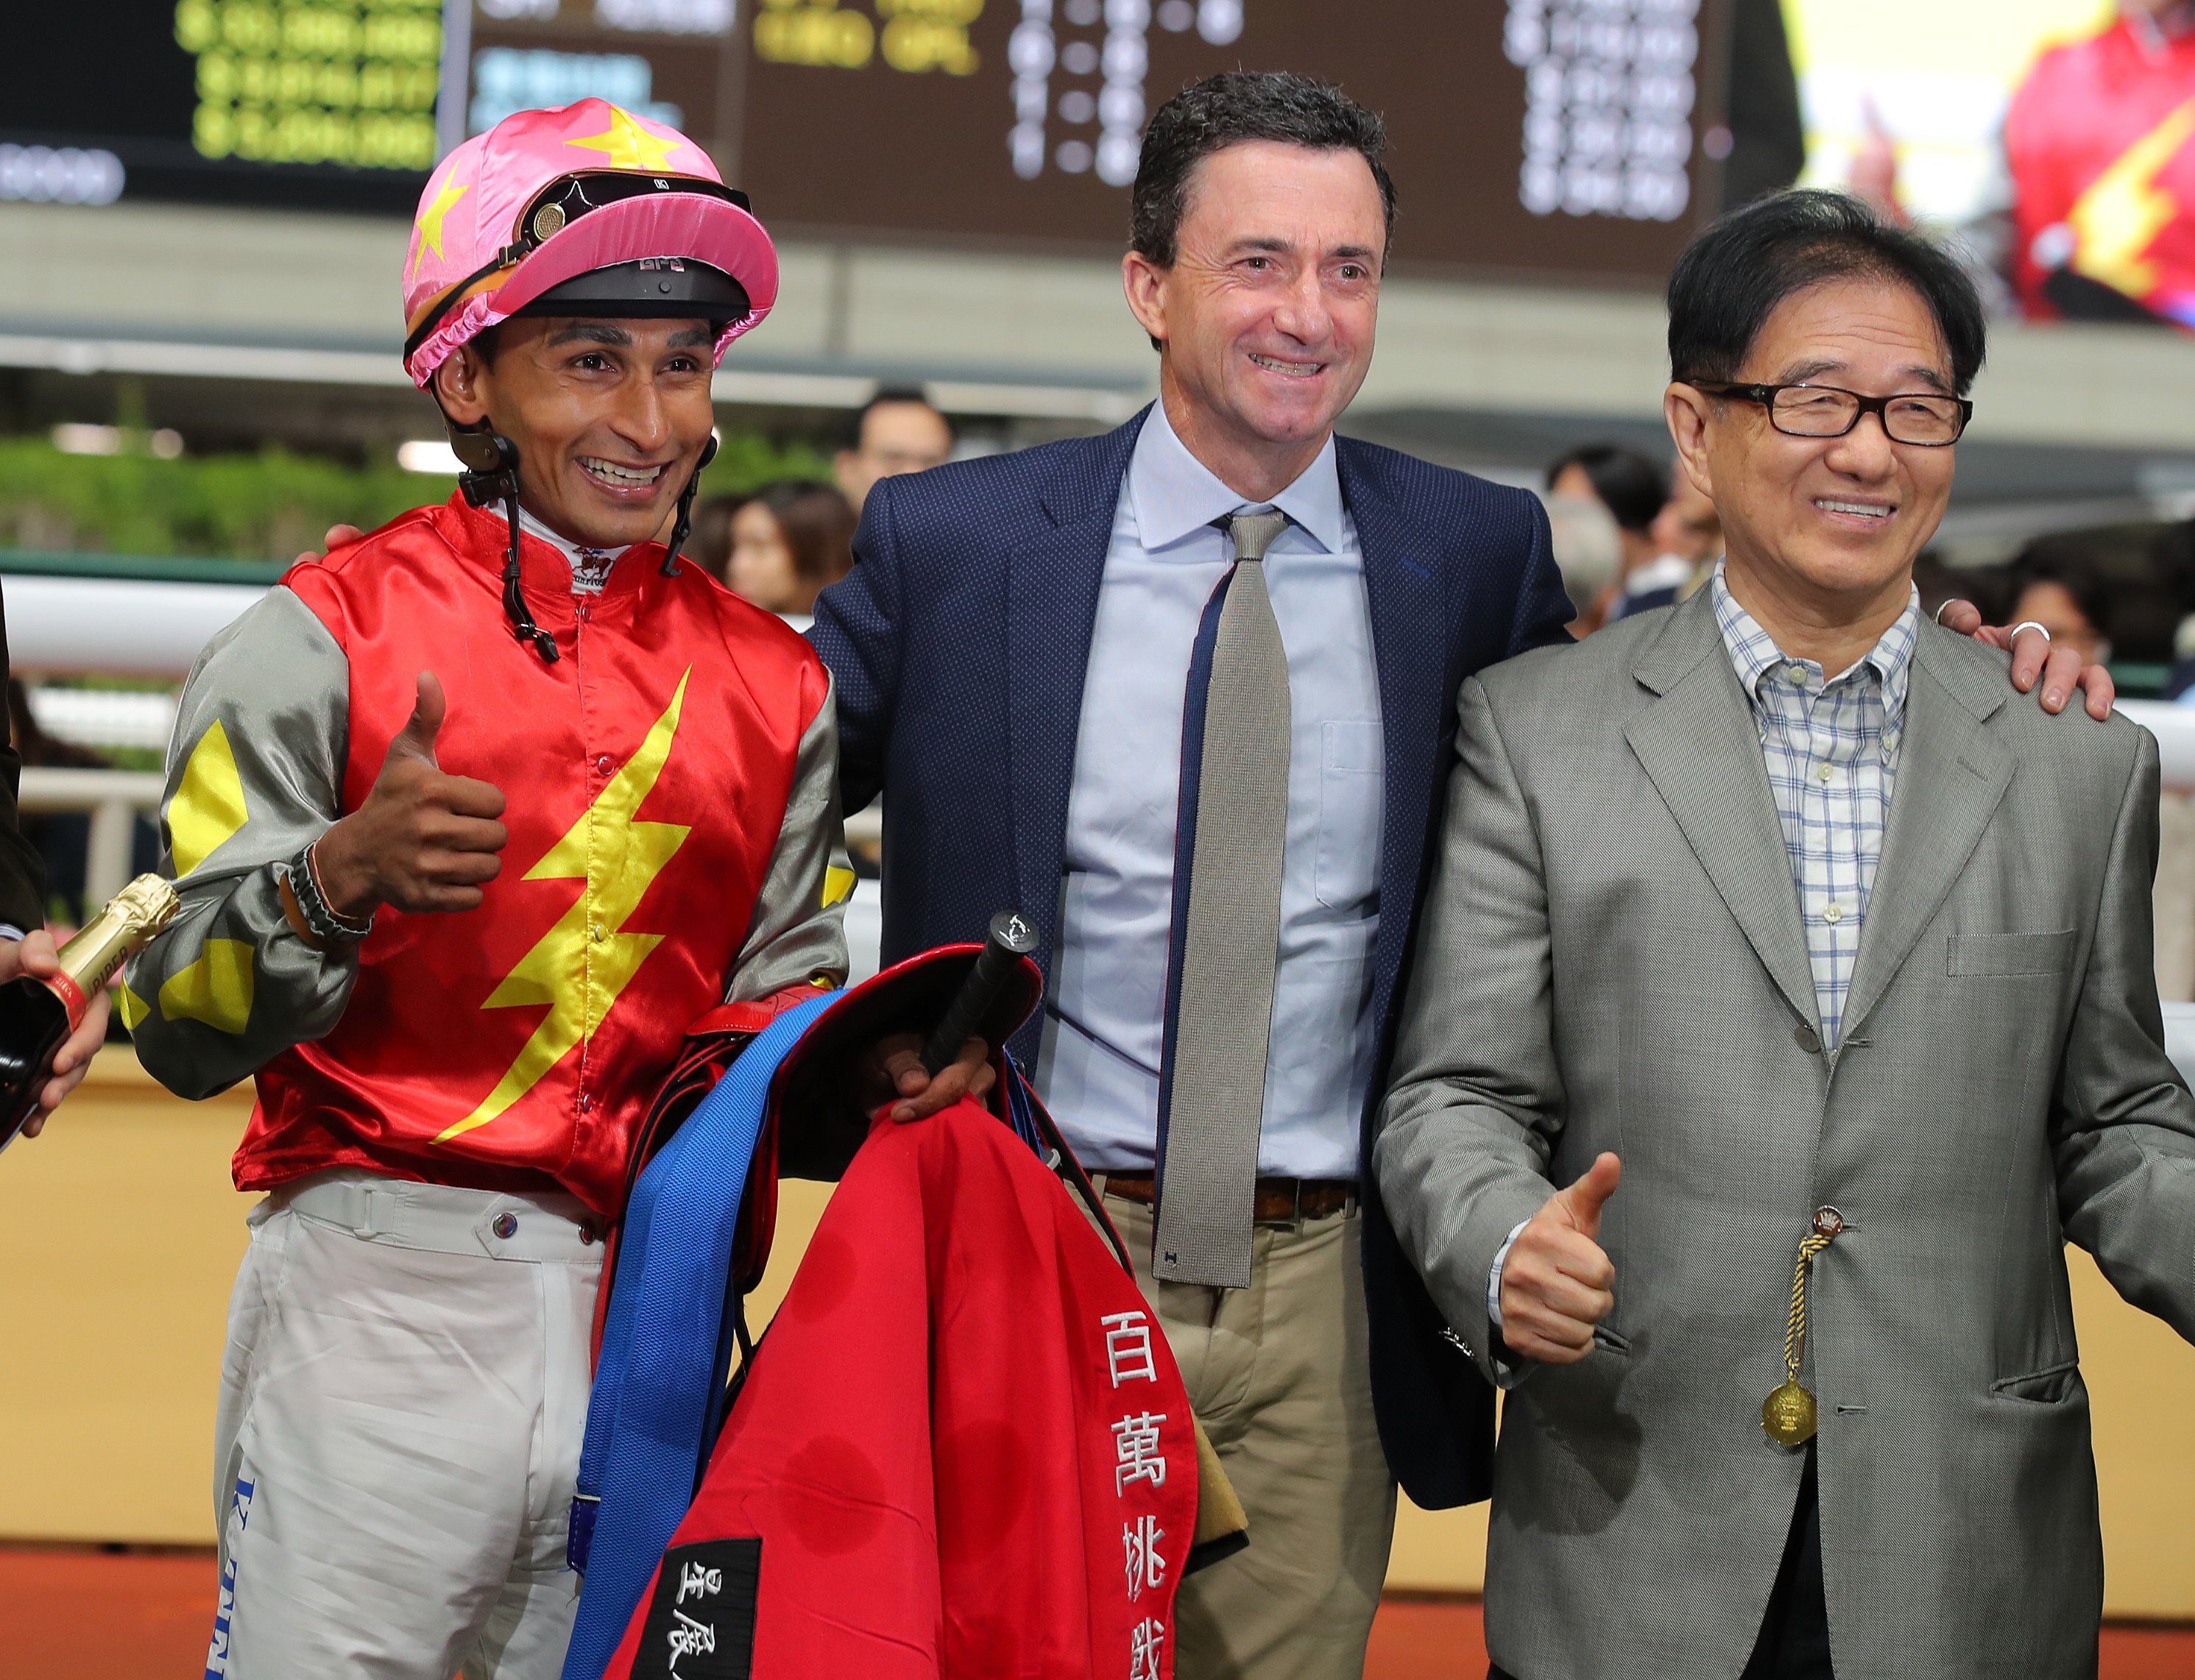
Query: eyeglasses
(1921, 418)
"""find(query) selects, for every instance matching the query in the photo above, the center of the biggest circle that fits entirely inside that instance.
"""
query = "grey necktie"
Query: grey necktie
(1231, 943)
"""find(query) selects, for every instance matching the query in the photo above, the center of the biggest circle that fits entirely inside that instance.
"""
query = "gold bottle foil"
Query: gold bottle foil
(130, 920)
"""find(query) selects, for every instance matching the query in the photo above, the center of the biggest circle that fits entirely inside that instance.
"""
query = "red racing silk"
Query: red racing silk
(963, 1449)
(646, 774)
(2100, 142)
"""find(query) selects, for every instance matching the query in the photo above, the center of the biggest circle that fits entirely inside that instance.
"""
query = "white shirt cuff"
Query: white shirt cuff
(1510, 1371)
(1494, 1273)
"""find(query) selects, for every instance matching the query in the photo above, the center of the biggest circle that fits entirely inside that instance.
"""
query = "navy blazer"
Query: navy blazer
(960, 643)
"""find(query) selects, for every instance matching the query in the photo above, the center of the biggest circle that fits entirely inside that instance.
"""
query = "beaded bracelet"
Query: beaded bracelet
(322, 920)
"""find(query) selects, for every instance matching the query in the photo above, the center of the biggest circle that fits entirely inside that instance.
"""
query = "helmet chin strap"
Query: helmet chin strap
(683, 526)
(491, 475)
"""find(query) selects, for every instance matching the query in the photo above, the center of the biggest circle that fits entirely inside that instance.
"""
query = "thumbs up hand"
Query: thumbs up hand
(1557, 1283)
(422, 840)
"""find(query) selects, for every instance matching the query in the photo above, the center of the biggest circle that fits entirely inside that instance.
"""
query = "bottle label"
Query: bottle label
(64, 986)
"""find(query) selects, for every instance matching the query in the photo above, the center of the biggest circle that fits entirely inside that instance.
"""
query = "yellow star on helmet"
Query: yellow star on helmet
(628, 145)
(430, 219)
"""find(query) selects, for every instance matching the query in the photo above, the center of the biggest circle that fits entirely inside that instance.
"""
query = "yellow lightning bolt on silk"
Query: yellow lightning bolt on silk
(2123, 209)
(208, 808)
(628, 145)
(582, 964)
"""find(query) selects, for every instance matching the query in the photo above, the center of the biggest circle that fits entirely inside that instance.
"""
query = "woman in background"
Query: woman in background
(784, 545)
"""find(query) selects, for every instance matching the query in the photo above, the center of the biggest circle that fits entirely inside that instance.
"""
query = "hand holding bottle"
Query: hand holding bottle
(34, 955)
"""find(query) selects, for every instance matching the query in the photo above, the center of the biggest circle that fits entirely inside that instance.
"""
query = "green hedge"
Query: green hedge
(269, 506)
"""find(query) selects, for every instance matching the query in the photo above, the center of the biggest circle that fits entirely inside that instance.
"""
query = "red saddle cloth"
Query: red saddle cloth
(962, 1450)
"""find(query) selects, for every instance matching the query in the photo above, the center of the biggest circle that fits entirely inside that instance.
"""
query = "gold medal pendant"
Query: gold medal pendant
(1788, 1414)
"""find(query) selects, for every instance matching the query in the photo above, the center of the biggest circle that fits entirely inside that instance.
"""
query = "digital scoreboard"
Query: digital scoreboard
(1547, 137)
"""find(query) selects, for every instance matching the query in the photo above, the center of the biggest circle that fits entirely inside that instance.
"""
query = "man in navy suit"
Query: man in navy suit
(1034, 657)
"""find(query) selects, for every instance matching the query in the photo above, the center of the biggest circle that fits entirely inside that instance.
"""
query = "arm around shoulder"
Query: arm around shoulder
(1475, 1102)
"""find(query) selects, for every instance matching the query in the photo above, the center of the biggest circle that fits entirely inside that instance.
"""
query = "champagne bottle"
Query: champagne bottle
(37, 1015)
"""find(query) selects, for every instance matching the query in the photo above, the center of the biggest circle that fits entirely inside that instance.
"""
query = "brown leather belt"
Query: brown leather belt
(1280, 1201)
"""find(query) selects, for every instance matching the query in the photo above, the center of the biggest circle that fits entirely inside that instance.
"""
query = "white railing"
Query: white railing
(114, 798)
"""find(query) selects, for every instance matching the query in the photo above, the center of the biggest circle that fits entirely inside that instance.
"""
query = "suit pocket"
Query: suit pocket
(2050, 1386)
(1984, 955)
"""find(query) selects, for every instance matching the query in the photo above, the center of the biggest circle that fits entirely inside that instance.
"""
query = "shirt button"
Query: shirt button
(505, 1226)
(1824, 772)
(596, 930)
(1798, 676)
(1833, 915)
(602, 765)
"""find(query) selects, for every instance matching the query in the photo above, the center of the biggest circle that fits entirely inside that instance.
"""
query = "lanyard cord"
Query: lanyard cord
(1794, 1327)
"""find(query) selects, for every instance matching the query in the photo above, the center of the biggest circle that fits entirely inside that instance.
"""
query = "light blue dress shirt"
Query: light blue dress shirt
(1105, 1019)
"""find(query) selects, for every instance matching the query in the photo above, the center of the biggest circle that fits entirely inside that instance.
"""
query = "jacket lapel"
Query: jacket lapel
(1702, 748)
(1952, 775)
(1051, 610)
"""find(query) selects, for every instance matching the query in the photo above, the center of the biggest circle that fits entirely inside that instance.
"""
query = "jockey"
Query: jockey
(450, 1054)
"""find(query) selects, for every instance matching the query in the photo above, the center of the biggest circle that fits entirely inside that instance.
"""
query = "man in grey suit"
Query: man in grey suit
(1826, 1077)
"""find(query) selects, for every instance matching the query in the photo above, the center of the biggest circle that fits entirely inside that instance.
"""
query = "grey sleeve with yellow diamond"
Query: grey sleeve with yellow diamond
(798, 935)
(255, 774)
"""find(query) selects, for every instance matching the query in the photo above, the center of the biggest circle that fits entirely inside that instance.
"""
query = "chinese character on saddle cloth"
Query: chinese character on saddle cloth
(1145, 1642)
(1136, 1447)
(1128, 1348)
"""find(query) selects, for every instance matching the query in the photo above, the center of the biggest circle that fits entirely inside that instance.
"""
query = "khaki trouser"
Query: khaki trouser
(1281, 1378)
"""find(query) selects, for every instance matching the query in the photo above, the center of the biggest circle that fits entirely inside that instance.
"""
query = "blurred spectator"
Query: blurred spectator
(899, 432)
(1989, 587)
(2097, 141)
(789, 542)
(710, 545)
(1588, 552)
(2060, 589)
(1686, 536)
(1632, 488)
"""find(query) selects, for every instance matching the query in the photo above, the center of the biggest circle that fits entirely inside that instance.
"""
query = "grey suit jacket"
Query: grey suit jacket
(1611, 959)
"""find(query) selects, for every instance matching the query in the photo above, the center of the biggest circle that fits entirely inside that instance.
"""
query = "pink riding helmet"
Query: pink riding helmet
(546, 198)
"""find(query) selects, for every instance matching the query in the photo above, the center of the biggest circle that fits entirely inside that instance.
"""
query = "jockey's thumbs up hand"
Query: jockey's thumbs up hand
(1557, 1282)
(422, 840)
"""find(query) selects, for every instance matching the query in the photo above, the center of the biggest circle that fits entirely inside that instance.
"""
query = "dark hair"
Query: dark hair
(818, 523)
(2064, 561)
(1228, 110)
(1629, 486)
(1732, 277)
(891, 396)
(709, 546)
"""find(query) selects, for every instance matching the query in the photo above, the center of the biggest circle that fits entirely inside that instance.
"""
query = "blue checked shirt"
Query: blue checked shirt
(1831, 748)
